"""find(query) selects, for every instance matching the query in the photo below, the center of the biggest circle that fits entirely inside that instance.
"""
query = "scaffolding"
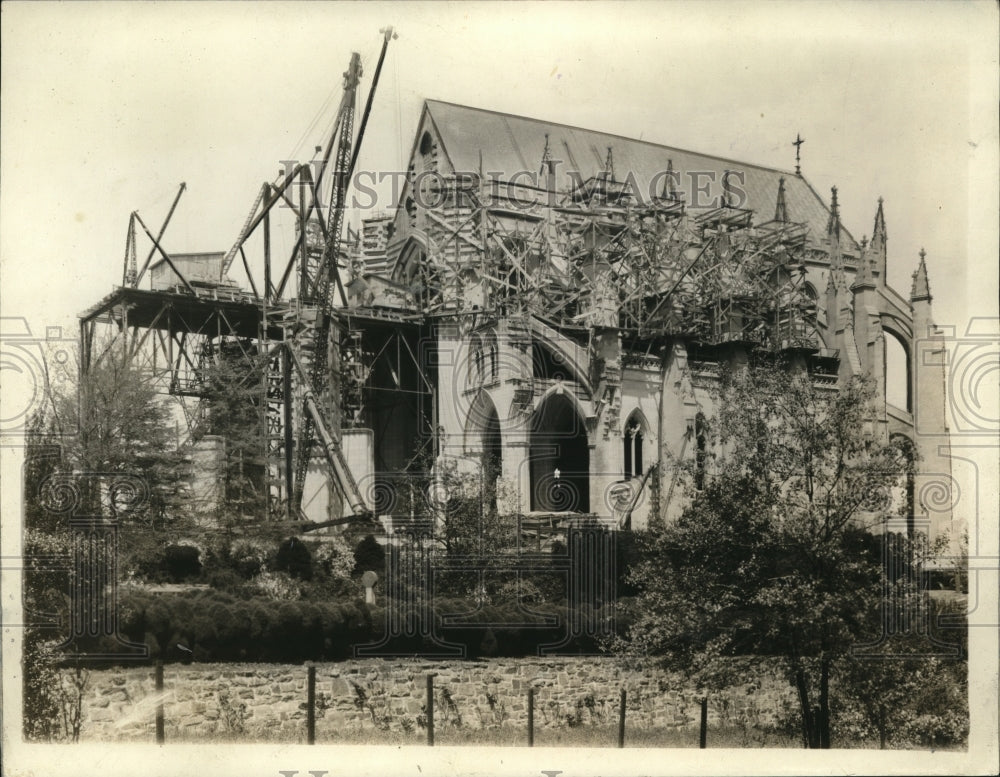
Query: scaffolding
(569, 266)
(594, 258)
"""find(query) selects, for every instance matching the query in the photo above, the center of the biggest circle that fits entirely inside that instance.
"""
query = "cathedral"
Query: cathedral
(549, 306)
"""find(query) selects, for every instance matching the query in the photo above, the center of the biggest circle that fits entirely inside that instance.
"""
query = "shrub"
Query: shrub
(225, 579)
(248, 558)
(225, 629)
(277, 585)
(216, 626)
(332, 557)
(368, 555)
(181, 562)
(294, 558)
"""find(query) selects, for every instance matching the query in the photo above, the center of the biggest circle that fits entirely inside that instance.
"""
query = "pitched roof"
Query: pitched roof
(510, 144)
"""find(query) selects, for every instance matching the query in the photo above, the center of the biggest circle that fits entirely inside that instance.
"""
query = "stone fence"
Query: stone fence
(269, 700)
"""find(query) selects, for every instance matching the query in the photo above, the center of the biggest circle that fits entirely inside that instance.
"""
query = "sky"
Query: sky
(106, 108)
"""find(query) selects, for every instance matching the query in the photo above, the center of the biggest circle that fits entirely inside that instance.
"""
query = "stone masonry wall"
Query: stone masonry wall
(204, 700)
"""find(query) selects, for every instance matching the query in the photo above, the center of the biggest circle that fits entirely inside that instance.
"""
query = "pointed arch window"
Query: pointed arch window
(484, 358)
(632, 440)
(476, 360)
(491, 359)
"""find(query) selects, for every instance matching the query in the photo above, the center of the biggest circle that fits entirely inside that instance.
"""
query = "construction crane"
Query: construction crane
(309, 351)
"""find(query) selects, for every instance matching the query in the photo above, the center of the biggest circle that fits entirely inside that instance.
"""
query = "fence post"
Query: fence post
(160, 736)
(430, 710)
(703, 737)
(531, 716)
(621, 720)
(311, 706)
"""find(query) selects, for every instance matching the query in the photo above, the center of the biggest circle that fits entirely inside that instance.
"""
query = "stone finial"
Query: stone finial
(833, 224)
(546, 158)
(879, 235)
(780, 208)
(669, 190)
(921, 289)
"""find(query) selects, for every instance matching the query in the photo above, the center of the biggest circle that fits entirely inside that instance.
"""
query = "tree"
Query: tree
(233, 411)
(475, 537)
(110, 419)
(775, 557)
(89, 428)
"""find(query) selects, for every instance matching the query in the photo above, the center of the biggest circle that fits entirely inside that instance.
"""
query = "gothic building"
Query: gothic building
(567, 295)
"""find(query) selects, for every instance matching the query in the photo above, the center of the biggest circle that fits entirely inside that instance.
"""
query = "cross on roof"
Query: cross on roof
(798, 144)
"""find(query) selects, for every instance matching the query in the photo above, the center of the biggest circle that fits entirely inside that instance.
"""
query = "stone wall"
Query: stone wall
(268, 701)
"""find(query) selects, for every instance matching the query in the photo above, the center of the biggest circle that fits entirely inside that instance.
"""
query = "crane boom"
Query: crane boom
(319, 282)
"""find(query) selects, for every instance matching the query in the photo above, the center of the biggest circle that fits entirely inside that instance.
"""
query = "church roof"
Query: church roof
(510, 144)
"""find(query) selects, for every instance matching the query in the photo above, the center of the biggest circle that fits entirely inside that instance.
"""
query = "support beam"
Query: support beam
(169, 261)
(166, 221)
(286, 387)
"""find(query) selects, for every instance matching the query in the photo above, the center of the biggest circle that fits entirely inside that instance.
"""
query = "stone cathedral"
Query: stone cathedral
(560, 301)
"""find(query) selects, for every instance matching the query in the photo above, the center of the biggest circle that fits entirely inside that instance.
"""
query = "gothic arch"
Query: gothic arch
(565, 390)
(560, 456)
(483, 436)
(481, 418)
(898, 368)
(635, 444)
(546, 352)
(411, 257)
(475, 370)
(899, 327)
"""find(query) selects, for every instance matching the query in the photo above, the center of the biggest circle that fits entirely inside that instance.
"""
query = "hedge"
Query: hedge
(215, 626)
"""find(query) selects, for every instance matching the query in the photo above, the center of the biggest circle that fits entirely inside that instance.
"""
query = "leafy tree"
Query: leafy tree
(108, 420)
(111, 419)
(775, 558)
(473, 534)
(233, 411)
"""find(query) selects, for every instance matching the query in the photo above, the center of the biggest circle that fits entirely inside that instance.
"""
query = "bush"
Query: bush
(181, 562)
(278, 586)
(368, 555)
(294, 558)
(247, 558)
(216, 626)
(226, 629)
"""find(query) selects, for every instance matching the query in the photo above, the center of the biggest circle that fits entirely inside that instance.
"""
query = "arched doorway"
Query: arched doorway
(560, 458)
(483, 437)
